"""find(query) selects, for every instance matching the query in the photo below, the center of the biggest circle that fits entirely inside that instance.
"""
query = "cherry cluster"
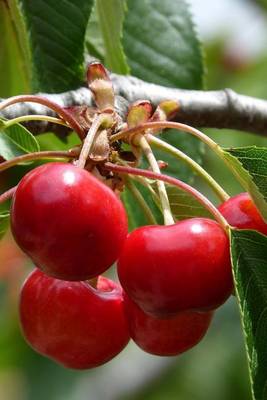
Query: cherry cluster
(68, 218)
(173, 277)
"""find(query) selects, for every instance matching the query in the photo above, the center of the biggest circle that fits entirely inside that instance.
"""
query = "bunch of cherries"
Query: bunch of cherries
(173, 277)
(70, 221)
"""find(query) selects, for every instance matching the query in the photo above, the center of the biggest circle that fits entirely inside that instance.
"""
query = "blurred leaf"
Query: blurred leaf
(249, 258)
(249, 164)
(184, 205)
(17, 140)
(4, 222)
(93, 39)
(14, 57)
(110, 16)
(56, 37)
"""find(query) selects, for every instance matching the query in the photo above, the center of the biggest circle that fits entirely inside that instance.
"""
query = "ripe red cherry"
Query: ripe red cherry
(241, 212)
(71, 322)
(185, 266)
(69, 223)
(166, 337)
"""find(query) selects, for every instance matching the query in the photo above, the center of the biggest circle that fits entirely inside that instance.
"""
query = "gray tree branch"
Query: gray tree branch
(213, 109)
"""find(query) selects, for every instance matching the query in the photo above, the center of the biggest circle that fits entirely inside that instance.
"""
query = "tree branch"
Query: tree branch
(213, 109)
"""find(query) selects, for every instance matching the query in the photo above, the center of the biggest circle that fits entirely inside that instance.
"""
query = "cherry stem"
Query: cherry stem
(36, 156)
(220, 192)
(89, 140)
(167, 214)
(34, 117)
(48, 103)
(141, 201)
(175, 182)
(8, 194)
(158, 125)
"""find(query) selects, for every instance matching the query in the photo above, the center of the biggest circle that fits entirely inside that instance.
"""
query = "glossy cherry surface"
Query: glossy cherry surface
(71, 322)
(69, 223)
(185, 266)
(166, 337)
(241, 212)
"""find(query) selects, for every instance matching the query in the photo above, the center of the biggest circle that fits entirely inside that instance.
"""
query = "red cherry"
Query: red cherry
(67, 221)
(166, 337)
(185, 266)
(71, 322)
(241, 212)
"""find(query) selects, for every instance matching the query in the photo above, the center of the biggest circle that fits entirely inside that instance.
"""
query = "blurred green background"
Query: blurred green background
(234, 33)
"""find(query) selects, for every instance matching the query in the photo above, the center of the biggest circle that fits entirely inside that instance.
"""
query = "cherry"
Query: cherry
(185, 266)
(166, 337)
(71, 322)
(69, 223)
(241, 212)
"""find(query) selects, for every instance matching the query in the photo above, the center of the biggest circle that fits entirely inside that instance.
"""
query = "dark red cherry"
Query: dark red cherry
(71, 322)
(241, 212)
(185, 266)
(69, 223)
(166, 337)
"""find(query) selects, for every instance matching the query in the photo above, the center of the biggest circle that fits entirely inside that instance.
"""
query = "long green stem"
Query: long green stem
(141, 201)
(192, 164)
(167, 214)
(36, 156)
(24, 118)
(175, 182)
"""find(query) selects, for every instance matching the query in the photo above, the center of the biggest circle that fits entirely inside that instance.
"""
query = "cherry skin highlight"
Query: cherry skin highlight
(185, 266)
(70, 224)
(166, 337)
(240, 212)
(71, 322)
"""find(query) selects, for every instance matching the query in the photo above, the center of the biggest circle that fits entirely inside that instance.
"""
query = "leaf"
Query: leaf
(4, 222)
(14, 55)
(56, 39)
(249, 259)
(110, 17)
(184, 205)
(160, 43)
(17, 140)
(249, 164)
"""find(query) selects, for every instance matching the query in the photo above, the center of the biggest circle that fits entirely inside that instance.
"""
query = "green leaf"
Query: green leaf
(56, 37)
(160, 43)
(17, 140)
(4, 223)
(14, 55)
(184, 205)
(249, 164)
(110, 17)
(249, 259)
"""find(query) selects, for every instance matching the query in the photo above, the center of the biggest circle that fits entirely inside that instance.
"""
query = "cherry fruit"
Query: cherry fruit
(185, 266)
(241, 212)
(69, 223)
(71, 322)
(166, 337)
